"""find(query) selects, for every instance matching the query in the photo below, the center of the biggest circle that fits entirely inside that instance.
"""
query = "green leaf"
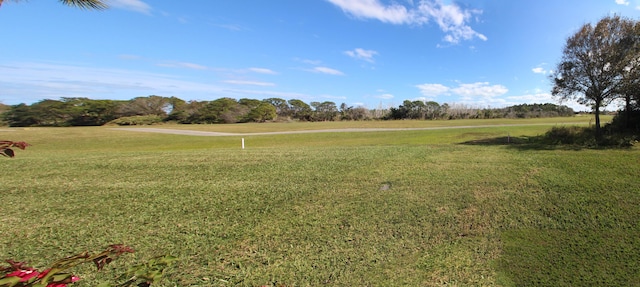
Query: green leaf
(48, 278)
(9, 281)
(60, 277)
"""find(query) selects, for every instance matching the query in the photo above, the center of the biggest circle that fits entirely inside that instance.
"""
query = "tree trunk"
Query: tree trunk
(597, 113)
(627, 112)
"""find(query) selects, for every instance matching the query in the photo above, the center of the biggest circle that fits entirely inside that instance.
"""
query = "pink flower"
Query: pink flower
(24, 275)
(62, 283)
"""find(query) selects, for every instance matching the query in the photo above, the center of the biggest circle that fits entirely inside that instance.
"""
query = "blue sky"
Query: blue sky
(374, 53)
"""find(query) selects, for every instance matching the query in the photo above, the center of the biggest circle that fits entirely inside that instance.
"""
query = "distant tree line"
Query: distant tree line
(431, 110)
(156, 109)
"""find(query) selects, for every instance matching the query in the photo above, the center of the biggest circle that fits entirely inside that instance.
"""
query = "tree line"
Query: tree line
(431, 110)
(156, 109)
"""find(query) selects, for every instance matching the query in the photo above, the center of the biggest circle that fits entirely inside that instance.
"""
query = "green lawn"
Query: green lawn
(393, 208)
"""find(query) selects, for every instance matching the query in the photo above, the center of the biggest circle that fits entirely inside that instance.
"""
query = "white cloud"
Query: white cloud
(622, 2)
(362, 54)
(394, 13)
(483, 94)
(251, 83)
(263, 71)
(133, 5)
(539, 70)
(451, 19)
(325, 70)
(480, 89)
(27, 82)
(385, 96)
(432, 90)
(541, 98)
(231, 27)
(537, 98)
(308, 61)
(477, 94)
(186, 65)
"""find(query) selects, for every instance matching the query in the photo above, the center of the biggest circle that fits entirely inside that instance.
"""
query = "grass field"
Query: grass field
(391, 208)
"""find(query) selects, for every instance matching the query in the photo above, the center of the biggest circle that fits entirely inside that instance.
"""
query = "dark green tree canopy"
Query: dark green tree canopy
(155, 109)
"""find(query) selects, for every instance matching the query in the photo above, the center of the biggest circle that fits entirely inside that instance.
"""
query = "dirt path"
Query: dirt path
(219, 134)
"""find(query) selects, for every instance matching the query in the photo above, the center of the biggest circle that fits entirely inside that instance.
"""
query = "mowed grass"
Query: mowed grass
(392, 208)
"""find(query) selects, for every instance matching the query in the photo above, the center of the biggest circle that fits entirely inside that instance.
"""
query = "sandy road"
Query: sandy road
(219, 134)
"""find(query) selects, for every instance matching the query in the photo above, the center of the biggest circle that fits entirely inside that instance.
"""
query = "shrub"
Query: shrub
(585, 137)
(137, 120)
(627, 122)
(572, 135)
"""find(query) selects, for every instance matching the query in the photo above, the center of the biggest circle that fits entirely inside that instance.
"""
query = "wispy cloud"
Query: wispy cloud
(539, 98)
(394, 13)
(432, 90)
(622, 2)
(385, 96)
(30, 82)
(326, 70)
(241, 93)
(540, 69)
(451, 19)
(362, 54)
(250, 83)
(308, 61)
(479, 89)
(532, 98)
(132, 5)
(466, 92)
(263, 71)
(185, 65)
(231, 27)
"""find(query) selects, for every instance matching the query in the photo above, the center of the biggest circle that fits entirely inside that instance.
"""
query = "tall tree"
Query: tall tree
(592, 65)
(281, 105)
(151, 105)
(325, 111)
(223, 110)
(300, 110)
(262, 113)
(83, 4)
(20, 115)
(3, 108)
(630, 91)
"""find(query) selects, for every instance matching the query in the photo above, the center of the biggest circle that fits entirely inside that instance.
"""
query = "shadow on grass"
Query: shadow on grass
(563, 138)
(521, 143)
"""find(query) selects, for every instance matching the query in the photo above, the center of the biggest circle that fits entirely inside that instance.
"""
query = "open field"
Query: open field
(386, 208)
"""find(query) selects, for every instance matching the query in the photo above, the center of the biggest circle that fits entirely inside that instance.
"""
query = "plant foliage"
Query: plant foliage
(6, 147)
